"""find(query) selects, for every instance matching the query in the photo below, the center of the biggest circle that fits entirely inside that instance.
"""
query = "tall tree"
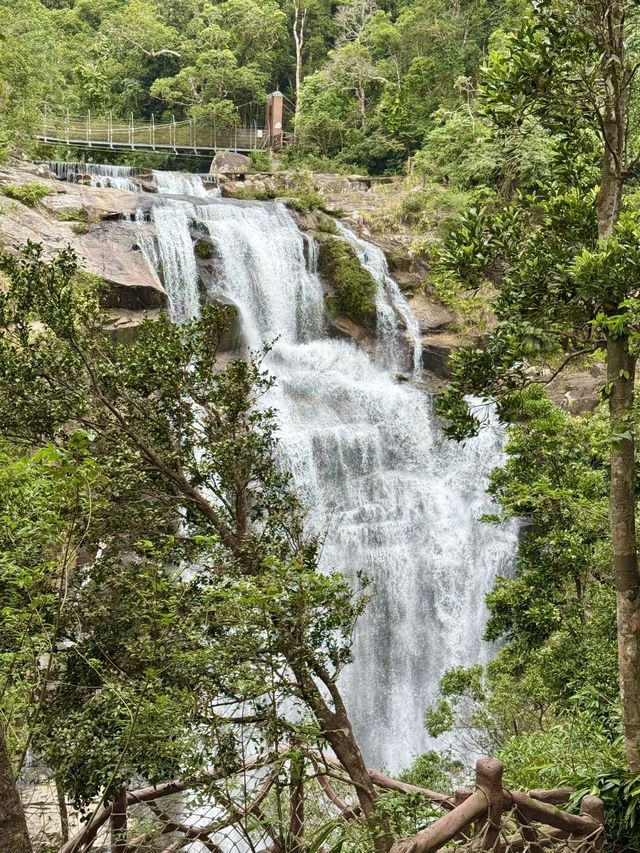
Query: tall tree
(299, 25)
(564, 260)
(166, 423)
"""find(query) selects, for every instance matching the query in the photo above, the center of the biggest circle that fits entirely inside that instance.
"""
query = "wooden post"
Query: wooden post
(489, 781)
(459, 797)
(119, 823)
(275, 115)
(593, 807)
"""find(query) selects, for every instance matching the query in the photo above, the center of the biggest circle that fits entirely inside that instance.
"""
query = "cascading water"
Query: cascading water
(392, 309)
(100, 175)
(122, 178)
(394, 498)
(180, 183)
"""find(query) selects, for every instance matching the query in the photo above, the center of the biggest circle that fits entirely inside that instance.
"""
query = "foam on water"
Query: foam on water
(392, 496)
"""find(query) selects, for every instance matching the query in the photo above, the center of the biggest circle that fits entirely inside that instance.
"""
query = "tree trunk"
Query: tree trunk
(617, 75)
(14, 837)
(299, 23)
(296, 804)
(336, 728)
(621, 376)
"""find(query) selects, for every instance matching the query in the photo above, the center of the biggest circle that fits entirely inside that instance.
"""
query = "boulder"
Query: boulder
(580, 391)
(124, 324)
(230, 163)
(111, 252)
(343, 327)
(98, 203)
(432, 315)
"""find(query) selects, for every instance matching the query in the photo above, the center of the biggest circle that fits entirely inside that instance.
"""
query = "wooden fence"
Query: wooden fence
(485, 818)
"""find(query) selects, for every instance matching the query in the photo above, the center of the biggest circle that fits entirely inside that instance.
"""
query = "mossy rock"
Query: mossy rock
(355, 288)
(205, 249)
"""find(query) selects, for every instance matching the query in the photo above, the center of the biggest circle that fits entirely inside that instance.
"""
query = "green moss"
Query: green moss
(355, 287)
(205, 249)
(326, 225)
(77, 215)
(29, 194)
(80, 228)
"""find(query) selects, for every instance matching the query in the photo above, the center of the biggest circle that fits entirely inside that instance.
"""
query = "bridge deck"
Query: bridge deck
(189, 136)
(106, 145)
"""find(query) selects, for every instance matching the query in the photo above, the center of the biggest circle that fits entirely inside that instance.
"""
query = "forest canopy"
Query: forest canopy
(160, 593)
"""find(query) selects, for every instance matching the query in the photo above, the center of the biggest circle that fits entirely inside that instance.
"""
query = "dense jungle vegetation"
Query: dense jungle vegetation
(116, 664)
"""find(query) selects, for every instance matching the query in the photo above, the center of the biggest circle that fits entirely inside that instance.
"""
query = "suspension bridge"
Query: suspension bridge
(103, 132)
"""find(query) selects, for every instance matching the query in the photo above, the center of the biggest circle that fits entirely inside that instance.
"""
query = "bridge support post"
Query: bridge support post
(275, 113)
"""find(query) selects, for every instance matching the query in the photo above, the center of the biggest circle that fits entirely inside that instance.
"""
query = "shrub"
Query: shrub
(260, 161)
(326, 224)
(205, 249)
(29, 194)
(78, 215)
(355, 287)
(305, 200)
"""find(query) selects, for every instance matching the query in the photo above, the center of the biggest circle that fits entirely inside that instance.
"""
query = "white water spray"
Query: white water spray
(394, 498)
(180, 183)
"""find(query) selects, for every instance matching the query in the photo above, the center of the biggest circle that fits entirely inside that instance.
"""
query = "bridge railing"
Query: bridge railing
(188, 135)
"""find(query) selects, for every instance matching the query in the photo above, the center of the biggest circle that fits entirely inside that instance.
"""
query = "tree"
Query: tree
(298, 29)
(227, 58)
(175, 438)
(564, 260)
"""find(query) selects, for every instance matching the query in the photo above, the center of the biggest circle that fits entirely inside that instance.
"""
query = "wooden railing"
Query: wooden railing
(485, 818)
(491, 814)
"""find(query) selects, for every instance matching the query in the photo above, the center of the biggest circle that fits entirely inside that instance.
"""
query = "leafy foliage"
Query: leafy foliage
(354, 286)
(29, 194)
(203, 605)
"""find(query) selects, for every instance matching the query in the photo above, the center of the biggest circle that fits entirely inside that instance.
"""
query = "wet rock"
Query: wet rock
(436, 351)
(343, 327)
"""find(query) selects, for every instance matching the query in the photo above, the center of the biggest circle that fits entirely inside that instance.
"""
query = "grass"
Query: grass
(29, 194)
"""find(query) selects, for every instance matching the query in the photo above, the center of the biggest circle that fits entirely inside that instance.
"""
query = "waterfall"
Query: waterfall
(392, 309)
(392, 497)
(180, 183)
(121, 177)
(100, 175)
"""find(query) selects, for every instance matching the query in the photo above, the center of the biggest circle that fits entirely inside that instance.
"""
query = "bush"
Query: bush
(354, 285)
(326, 225)
(304, 201)
(205, 249)
(29, 194)
(79, 215)
(260, 161)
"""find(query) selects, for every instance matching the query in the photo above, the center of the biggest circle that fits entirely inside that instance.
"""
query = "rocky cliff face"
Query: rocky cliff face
(104, 227)
(98, 224)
